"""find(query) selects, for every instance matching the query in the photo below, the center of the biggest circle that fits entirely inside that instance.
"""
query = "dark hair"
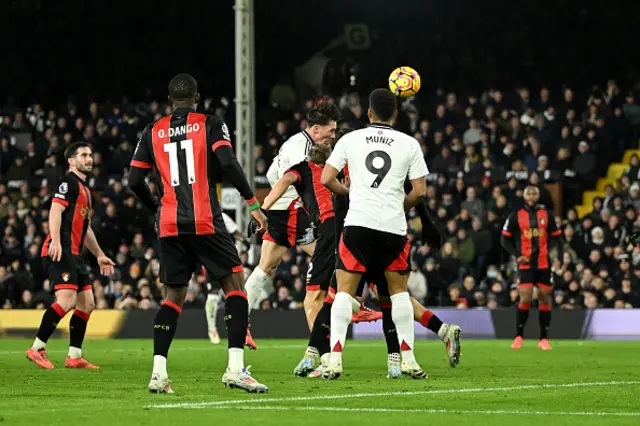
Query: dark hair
(72, 149)
(319, 153)
(183, 87)
(383, 103)
(323, 113)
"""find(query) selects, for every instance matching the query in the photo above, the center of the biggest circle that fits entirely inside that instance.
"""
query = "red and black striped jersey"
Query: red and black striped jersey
(532, 229)
(75, 196)
(191, 153)
(315, 196)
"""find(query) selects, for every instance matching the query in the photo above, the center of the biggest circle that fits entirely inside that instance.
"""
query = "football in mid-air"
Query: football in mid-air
(404, 82)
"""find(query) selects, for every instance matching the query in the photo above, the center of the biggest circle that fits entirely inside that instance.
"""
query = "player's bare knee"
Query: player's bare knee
(233, 282)
(176, 294)
(314, 298)
(525, 295)
(67, 299)
(86, 302)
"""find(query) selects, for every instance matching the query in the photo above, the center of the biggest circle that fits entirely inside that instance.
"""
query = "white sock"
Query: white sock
(443, 331)
(254, 285)
(211, 308)
(402, 315)
(236, 360)
(341, 312)
(74, 352)
(38, 344)
(160, 365)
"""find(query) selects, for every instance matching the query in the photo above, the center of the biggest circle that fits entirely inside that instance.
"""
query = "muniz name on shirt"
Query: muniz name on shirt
(380, 139)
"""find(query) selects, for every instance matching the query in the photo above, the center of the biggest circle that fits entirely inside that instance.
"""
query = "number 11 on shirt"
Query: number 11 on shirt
(172, 149)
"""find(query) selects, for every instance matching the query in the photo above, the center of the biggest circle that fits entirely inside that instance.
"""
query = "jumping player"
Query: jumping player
(191, 152)
(380, 159)
(69, 231)
(289, 224)
(531, 228)
(318, 347)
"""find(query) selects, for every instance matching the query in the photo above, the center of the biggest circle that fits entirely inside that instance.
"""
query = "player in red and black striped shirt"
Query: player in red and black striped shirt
(317, 200)
(69, 231)
(191, 152)
(527, 235)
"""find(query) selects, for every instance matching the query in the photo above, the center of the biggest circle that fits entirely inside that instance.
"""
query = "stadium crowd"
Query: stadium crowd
(482, 150)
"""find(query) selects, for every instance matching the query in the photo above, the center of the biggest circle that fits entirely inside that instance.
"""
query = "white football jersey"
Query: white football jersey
(380, 159)
(292, 152)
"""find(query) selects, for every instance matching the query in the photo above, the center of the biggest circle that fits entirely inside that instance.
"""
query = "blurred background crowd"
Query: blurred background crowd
(487, 128)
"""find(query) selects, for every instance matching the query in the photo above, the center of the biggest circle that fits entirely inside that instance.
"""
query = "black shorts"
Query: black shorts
(70, 273)
(531, 277)
(289, 228)
(180, 256)
(368, 250)
(323, 261)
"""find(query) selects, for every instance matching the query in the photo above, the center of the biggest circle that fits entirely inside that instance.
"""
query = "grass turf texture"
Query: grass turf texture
(573, 384)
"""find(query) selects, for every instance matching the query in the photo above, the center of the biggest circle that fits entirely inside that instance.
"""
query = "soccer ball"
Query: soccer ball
(404, 82)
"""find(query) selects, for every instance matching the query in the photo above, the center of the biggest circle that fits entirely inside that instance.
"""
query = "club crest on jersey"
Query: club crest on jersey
(542, 221)
(66, 276)
(63, 188)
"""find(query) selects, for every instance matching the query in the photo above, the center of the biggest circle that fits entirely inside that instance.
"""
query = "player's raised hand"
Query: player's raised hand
(261, 219)
(107, 266)
(55, 251)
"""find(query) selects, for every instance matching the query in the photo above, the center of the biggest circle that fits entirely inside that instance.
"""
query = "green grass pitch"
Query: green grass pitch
(581, 383)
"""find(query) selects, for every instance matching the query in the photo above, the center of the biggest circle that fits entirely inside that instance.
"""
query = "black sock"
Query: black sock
(390, 334)
(50, 320)
(544, 316)
(77, 328)
(236, 319)
(319, 338)
(521, 318)
(431, 321)
(164, 327)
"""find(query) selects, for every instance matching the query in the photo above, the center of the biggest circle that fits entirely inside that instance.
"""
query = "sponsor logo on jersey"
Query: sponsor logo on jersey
(179, 131)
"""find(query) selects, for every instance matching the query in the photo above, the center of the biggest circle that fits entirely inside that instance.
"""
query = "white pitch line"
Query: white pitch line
(221, 348)
(207, 404)
(436, 411)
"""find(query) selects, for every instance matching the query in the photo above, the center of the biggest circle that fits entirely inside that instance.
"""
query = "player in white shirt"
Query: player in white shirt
(288, 224)
(375, 232)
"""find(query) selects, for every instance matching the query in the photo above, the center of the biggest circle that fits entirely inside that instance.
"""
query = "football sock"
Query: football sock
(77, 330)
(431, 321)
(50, 320)
(211, 309)
(544, 316)
(402, 315)
(236, 318)
(164, 328)
(389, 328)
(319, 338)
(521, 318)
(254, 285)
(160, 365)
(340, 319)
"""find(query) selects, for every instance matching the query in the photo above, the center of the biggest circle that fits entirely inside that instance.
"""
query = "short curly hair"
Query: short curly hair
(323, 113)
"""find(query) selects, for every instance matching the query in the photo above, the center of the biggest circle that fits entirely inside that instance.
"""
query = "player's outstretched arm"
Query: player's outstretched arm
(279, 189)
(417, 194)
(140, 189)
(329, 179)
